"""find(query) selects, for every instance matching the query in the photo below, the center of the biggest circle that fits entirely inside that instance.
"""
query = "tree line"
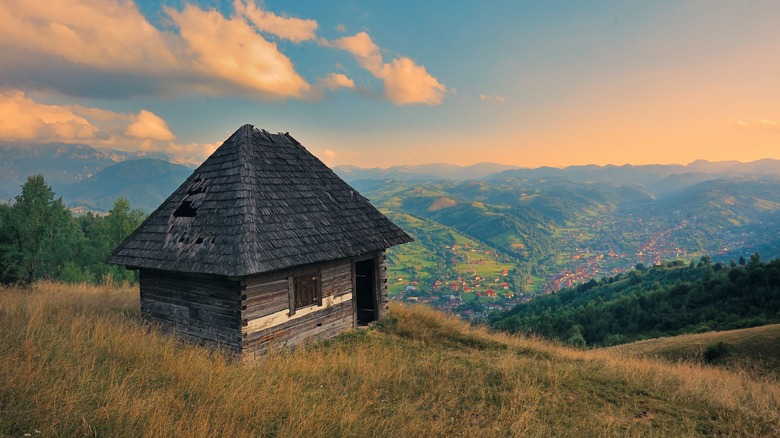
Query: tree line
(40, 239)
(664, 300)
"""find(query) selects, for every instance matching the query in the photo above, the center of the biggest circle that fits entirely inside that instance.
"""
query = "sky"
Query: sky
(383, 83)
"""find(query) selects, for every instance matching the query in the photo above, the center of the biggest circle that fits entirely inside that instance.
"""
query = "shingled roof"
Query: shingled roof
(259, 203)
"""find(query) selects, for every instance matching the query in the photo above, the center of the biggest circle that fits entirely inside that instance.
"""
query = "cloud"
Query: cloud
(21, 118)
(108, 35)
(405, 82)
(758, 124)
(149, 126)
(107, 48)
(24, 119)
(239, 56)
(190, 154)
(79, 46)
(334, 81)
(496, 98)
(363, 48)
(293, 29)
(330, 153)
(331, 82)
(340, 28)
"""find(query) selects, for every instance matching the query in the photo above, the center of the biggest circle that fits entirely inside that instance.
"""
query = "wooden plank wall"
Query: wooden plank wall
(201, 308)
(266, 320)
(384, 308)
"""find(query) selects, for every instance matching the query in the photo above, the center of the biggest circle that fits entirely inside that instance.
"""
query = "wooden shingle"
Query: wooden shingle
(260, 203)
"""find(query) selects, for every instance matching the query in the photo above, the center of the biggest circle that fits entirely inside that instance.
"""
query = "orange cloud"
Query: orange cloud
(293, 29)
(239, 56)
(758, 124)
(335, 81)
(149, 126)
(405, 82)
(21, 118)
(106, 35)
(111, 40)
(363, 48)
(24, 119)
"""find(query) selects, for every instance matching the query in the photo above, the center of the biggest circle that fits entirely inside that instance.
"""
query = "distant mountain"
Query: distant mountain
(60, 163)
(656, 179)
(421, 172)
(145, 183)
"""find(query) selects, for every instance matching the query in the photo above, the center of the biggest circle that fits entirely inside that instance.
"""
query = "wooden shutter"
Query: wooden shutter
(306, 290)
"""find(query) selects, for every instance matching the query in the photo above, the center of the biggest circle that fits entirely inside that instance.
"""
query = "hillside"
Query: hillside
(76, 361)
(59, 163)
(648, 303)
(145, 183)
(555, 233)
(754, 350)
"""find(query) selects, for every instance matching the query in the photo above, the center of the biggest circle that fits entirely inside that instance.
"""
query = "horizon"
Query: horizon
(389, 84)
(559, 167)
(154, 155)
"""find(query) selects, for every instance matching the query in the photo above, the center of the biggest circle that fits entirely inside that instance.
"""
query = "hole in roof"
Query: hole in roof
(185, 209)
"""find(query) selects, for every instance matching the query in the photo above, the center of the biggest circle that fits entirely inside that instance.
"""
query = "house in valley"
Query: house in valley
(262, 245)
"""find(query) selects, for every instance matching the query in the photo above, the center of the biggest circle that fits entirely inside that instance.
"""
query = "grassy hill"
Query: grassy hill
(76, 361)
(649, 303)
(754, 350)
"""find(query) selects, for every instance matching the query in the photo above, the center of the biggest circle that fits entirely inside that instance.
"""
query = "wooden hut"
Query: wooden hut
(263, 244)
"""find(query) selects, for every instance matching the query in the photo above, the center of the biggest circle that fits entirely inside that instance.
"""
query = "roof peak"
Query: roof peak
(261, 202)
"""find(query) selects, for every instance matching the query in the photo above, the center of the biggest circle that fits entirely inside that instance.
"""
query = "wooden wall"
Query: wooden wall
(382, 282)
(265, 315)
(252, 314)
(202, 308)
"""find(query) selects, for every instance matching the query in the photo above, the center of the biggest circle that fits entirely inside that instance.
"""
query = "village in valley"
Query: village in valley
(472, 279)
(476, 282)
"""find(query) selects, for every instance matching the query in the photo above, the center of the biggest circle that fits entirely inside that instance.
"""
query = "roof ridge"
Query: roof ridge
(261, 202)
(247, 179)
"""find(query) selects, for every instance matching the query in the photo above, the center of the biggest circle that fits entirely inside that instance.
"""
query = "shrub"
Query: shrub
(715, 352)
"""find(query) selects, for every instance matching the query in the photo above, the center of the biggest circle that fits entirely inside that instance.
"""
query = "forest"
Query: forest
(40, 239)
(664, 300)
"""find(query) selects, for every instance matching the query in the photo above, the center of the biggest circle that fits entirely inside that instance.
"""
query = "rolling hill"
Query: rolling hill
(59, 163)
(648, 303)
(752, 350)
(77, 360)
(144, 182)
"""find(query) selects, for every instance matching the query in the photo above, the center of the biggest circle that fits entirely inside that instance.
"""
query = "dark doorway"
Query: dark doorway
(365, 291)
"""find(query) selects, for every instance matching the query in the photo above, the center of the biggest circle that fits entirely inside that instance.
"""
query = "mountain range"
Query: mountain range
(88, 178)
(92, 178)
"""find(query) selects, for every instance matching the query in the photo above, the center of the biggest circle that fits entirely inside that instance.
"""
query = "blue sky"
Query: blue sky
(398, 82)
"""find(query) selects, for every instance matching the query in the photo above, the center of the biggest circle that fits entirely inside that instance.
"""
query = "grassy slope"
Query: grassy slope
(754, 350)
(76, 361)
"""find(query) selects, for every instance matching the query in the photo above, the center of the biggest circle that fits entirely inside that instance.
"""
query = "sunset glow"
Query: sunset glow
(386, 83)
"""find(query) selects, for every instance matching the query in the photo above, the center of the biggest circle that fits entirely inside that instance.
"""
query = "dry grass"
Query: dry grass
(755, 351)
(75, 361)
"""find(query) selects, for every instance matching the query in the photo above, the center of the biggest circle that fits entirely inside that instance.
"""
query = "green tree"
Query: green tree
(38, 234)
(755, 261)
(106, 235)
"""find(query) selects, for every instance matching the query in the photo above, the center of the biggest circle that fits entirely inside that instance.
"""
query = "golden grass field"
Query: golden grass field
(77, 361)
(753, 350)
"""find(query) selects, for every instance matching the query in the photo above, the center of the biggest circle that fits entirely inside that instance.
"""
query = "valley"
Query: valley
(483, 247)
(488, 236)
